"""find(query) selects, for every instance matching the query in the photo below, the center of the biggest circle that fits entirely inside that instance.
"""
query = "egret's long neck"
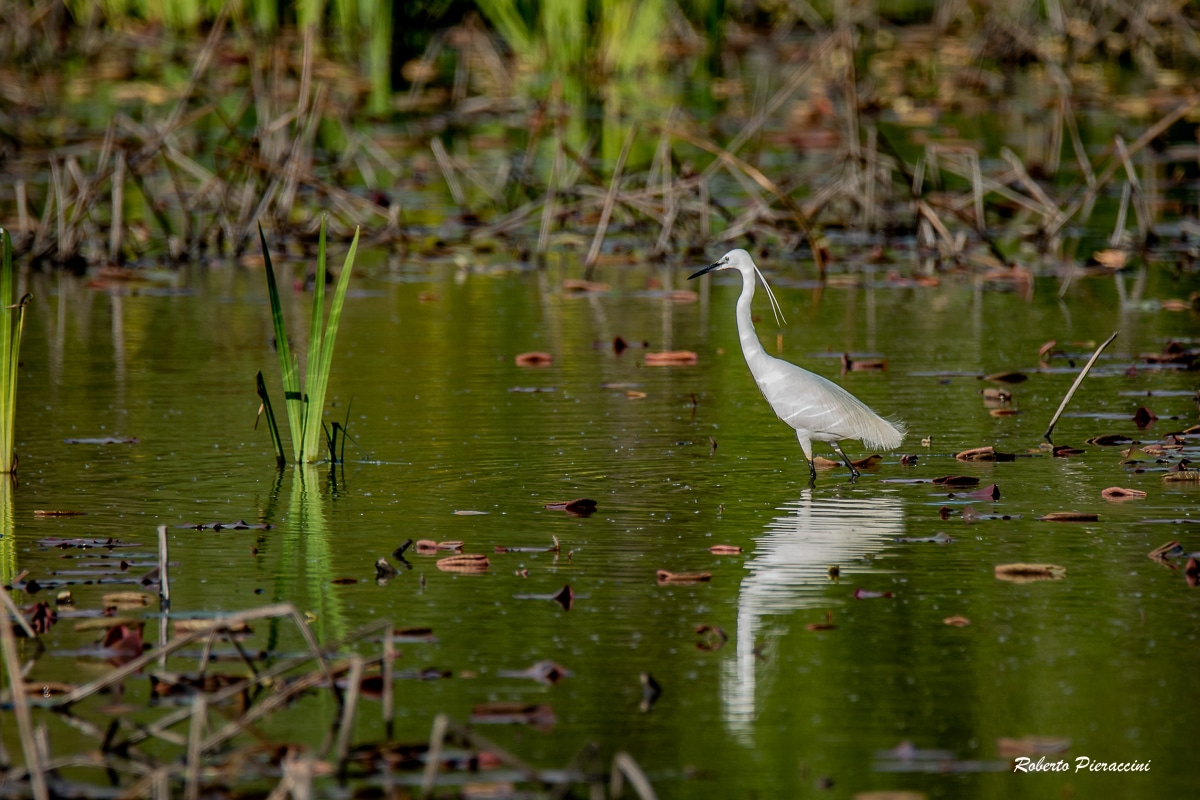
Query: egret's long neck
(751, 347)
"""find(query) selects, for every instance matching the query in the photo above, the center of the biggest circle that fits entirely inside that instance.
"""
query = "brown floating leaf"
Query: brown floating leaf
(868, 462)
(183, 626)
(127, 599)
(104, 623)
(1143, 417)
(1169, 550)
(821, 462)
(429, 547)
(534, 360)
(466, 512)
(1006, 377)
(1064, 450)
(682, 577)
(725, 550)
(47, 689)
(466, 563)
(671, 358)
(862, 364)
(990, 492)
(49, 513)
(713, 638)
(383, 569)
(542, 672)
(580, 506)
(1117, 494)
(908, 460)
(997, 395)
(1021, 573)
(1069, 516)
(1109, 440)
(633, 394)
(1004, 412)
(1192, 571)
(957, 622)
(501, 713)
(584, 287)
(956, 480)
(343, 581)
(565, 597)
(1182, 476)
(866, 594)
(988, 453)
(827, 625)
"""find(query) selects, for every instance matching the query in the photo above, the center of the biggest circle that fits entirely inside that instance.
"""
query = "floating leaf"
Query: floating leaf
(1183, 476)
(864, 594)
(863, 364)
(534, 360)
(1110, 259)
(469, 513)
(671, 358)
(1021, 573)
(465, 563)
(937, 538)
(430, 547)
(103, 440)
(1143, 417)
(62, 513)
(682, 577)
(501, 713)
(579, 508)
(1062, 451)
(725, 550)
(1069, 516)
(183, 626)
(383, 569)
(1006, 377)
(827, 625)
(712, 638)
(956, 480)
(1004, 412)
(1109, 440)
(997, 395)
(542, 672)
(988, 453)
(580, 286)
(240, 525)
(128, 599)
(651, 691)
(991, 492)
(343, 581)
(908, 460)
(104, 623)
(957, 622)
(868, 462)
(1117, 494)
(1171, 549)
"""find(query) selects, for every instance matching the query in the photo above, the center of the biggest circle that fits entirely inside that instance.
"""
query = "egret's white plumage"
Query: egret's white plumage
(817, 408)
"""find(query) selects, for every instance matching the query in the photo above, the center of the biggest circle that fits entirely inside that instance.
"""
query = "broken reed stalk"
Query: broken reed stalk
(610, 200)
(199, 714)
(20, 701)
(164, 582)
(389, 656)
(18, 617)
(624, 767)
(1078, 380)
(433, 756)
(349, 708)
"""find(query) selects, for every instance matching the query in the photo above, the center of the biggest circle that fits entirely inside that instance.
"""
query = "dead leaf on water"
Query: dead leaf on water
(997, 395)
(429, 547)
(104, 623)
(868, 462)
(821, 462)
(1109, 440)
(343, 581)
(579, 507)
(127, 599)
(1110, 259)
(827, 625)
(671, 358)
(543, 672)
(712, 638)
(63, 513)
(1006, 377)
(988, 453)
(682, 577)
(956, 480)
(534, 360)
(466, 512)
(1023, 573)
(1182, 476)
(503, 713)
(579, 286)
(183, 626)
(990, 492)
(1069, 516)
(1143, 417)
(865, 594)
(957, 622)
(473, 563)
(1118, 494)
(725, 550)
(1171, 549)
(1064, 450)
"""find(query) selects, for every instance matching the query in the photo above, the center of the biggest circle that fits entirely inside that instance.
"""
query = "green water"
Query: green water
(1104, 658)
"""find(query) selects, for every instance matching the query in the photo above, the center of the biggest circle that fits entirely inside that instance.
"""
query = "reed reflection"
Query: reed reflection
(788, 571)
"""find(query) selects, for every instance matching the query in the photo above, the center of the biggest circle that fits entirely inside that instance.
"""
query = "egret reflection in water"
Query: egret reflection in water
(788, 571)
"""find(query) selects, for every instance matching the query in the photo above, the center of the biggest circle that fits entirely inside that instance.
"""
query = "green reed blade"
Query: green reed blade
(288, 371)
(319, 380)
(314, 404)
(272, 426)
(8, 363)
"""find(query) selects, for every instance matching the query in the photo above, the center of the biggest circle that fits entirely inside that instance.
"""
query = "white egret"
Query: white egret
(818, 409)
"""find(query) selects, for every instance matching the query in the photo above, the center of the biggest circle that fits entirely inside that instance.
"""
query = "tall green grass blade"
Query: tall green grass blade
(313, 405)
(318, 380)
(10, 350)
(272, 426)
(293, 399)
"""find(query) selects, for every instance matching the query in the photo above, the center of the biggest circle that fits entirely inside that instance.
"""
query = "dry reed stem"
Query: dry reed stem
(589, 262)
(1078, 380)
(624, 767)
(20, 701)
(17, 615)
(349, 709)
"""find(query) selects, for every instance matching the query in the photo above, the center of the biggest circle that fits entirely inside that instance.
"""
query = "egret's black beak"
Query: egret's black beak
(709, 268)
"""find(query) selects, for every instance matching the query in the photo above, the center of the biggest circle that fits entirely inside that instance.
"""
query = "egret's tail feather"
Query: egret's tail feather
(883, 434)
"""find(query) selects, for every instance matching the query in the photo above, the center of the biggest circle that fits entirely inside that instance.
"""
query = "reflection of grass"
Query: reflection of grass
(304, 403)
(10, 349)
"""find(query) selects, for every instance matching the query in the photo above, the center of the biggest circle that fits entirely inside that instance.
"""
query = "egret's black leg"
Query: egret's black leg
(812, 474)
(837, 448)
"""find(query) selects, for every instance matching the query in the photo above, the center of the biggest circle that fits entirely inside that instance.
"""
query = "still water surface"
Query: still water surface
(1104, 659)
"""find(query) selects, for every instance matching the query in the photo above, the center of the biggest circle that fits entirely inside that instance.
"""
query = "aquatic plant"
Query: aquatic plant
(304, 402)
(12, 322)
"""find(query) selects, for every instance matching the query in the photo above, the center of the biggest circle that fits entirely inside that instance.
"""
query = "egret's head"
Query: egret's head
(734, 259)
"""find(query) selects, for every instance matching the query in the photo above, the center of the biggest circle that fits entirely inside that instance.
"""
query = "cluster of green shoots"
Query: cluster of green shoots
(310, 440)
